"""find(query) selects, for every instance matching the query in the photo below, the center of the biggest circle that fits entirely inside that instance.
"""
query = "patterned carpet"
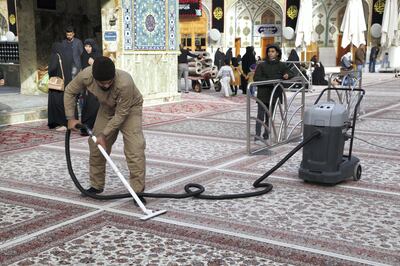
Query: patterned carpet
(45, 221)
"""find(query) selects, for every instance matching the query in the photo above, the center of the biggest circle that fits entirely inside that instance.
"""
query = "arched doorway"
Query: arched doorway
(268, 17)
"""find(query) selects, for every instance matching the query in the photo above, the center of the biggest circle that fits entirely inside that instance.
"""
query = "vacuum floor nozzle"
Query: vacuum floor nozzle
(150, 214)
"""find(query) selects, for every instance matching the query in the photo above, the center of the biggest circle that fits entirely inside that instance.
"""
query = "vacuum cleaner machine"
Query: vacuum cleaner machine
(324, 160)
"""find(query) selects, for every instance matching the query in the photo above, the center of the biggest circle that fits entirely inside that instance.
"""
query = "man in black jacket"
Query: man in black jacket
(183, 67)
(372, 58)
(270, 69)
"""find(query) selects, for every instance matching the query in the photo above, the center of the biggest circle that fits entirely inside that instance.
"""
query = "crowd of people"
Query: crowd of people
(68, 57)
(236, 72)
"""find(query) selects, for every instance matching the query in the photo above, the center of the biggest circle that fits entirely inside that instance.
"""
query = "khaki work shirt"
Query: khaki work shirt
(118, 101)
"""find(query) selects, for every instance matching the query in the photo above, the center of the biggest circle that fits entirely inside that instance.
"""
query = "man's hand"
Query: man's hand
(101, 139)
(72, 124)
(90, 61)
(286, 76)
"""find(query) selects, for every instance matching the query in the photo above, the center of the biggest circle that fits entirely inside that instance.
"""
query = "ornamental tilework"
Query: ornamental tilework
(127, 11)
(150, 25)
(172, 24)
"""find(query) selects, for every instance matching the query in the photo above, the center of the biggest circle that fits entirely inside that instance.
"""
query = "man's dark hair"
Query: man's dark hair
(69, 29)
(103, 69)
(277, 49)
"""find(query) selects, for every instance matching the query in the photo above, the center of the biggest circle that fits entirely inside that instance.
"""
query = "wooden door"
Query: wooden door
(265, 41)
(311, 50)
(238, 44)
(341, 51)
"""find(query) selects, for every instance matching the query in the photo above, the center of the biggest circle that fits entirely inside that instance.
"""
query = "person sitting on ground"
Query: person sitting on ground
(318, 74)
(120, 111)
(346, 66)
(346, 63)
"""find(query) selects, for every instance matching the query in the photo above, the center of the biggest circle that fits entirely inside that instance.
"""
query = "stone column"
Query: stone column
(27, 46)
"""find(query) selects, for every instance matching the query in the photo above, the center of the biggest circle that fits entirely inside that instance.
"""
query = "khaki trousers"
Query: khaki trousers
(134, 145)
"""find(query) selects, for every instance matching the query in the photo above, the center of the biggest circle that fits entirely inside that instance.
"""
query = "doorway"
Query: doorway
(340, 50)
(51, 20)
(265, 41)
(238, 45)
(311, 50)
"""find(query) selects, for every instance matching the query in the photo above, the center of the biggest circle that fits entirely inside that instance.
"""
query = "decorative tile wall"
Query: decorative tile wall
(150, 25)
(173, 17)
(127, 28)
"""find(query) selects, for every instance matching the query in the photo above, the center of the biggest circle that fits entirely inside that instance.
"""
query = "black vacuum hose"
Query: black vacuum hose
(189, 192)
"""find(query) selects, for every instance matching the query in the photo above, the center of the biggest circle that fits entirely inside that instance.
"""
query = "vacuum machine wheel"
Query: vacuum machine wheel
(357, 172)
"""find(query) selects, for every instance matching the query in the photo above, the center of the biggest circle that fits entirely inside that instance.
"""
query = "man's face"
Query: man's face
(105, 85)
(272, 53)
(70, 35)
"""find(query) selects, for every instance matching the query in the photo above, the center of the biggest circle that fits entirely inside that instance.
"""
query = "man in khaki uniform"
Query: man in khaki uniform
(120, 110)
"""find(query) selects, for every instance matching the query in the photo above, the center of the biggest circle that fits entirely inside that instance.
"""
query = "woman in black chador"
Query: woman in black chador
(318, 74)
(219, 58)
(248, 59)
(88, 101)
(55, 105)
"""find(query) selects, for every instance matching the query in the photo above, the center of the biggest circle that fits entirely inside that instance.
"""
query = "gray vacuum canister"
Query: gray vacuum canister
(326, 115)
(323, 160)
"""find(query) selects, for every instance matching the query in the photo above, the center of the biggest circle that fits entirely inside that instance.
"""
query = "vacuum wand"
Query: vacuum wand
(148, 213)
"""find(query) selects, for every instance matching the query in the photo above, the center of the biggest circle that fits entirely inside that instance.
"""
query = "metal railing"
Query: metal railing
(298, 68)
(346, 79)
(282, 121)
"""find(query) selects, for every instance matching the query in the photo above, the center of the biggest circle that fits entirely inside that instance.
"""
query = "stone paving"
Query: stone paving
(45, 221)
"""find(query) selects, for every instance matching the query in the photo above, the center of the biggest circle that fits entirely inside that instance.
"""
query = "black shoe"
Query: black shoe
(93, 190)
(84, 133)
(142, 199)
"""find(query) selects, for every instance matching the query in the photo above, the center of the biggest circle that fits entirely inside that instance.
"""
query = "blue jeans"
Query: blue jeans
(372, 66)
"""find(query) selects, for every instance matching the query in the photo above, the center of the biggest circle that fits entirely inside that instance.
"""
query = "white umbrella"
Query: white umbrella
(304, 26)
(389, 23)
(353, 25)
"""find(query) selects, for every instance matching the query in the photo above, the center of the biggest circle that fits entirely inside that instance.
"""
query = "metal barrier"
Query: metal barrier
(296, 68)
(346, 79)
(281, 120)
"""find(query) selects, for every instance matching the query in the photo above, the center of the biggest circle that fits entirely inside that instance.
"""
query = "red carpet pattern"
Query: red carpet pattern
(111, 239)
(45, 221)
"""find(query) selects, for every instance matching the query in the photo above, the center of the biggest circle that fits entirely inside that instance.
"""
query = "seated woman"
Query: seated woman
(346, 64)
(318, 74)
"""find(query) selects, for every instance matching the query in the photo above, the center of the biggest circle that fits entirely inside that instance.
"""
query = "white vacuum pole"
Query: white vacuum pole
(148, 213)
